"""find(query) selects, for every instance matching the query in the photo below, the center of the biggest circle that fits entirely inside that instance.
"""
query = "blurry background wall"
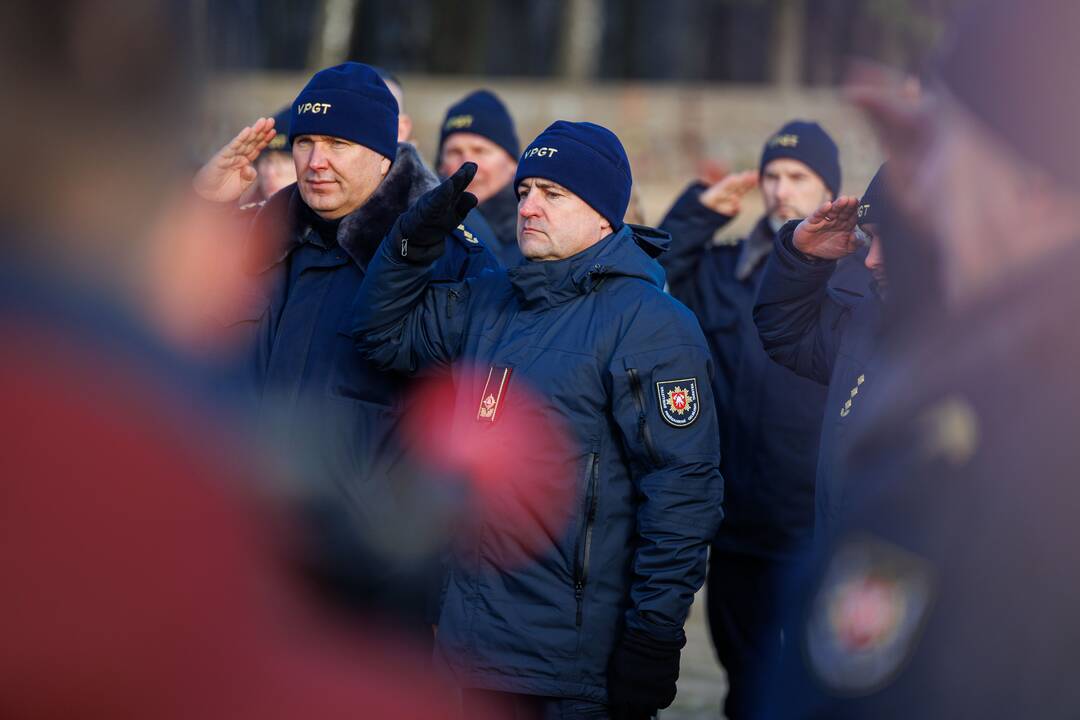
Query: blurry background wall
(678, 80)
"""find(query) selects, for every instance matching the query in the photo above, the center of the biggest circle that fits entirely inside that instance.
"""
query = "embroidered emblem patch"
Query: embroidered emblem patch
(678, 401)
(868, 614)
(494, 388)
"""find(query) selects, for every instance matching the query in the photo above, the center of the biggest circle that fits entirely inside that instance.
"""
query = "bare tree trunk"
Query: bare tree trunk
(332, 31)
(789, 31)
(580, 47)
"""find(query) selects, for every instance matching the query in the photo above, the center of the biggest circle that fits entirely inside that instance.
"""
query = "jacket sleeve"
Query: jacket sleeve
(691, 226)
(799, 322)
(403, 318)
(465, 257)
(675, 464)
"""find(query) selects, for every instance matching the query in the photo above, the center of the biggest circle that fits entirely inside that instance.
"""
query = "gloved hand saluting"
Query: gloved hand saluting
(422, 229)
(642, 675)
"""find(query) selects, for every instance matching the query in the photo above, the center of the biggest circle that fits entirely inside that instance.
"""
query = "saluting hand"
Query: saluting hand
(829, 233)
(227, 175)
(423, 228)
(725, 197)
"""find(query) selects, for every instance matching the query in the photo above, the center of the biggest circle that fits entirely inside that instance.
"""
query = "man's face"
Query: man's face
(554, 223)
(495, 168)
(336, 176)
(875, 257)
(276, 170)
(791, 190)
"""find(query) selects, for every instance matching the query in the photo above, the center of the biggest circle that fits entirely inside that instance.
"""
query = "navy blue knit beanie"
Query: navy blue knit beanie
(808, 143)
(483, 113)
(873, 204)
(348, 101)
(586, 159)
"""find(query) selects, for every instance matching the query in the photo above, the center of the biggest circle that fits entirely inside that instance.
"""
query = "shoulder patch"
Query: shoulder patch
(679, 405)
(868, 614)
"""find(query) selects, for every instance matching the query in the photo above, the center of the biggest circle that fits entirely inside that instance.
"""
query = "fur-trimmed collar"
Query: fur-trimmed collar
(279, 226)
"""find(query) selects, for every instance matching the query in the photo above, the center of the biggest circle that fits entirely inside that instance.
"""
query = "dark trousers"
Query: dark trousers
(744, 604)
(492, 705)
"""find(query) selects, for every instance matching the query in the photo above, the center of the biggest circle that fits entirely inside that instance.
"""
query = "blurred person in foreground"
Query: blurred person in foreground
(142, 577)
(592, 627)
(950, 590)
(478, 129)
(827, 334)
(329, 413)
(770, 418)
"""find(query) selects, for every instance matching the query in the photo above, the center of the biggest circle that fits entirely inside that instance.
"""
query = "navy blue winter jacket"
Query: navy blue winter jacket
(331, 415)
(770, 418)
(597, 337)
(827, 334)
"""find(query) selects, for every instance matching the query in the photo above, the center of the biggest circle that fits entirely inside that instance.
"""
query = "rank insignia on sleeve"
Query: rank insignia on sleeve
(494, 388)
(679, 404)
(467, 234)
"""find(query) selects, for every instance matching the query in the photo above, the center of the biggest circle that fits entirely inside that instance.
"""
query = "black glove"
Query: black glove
(642, 675)
(422, 229)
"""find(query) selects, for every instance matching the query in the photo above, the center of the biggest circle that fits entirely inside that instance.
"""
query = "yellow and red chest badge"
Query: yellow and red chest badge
(679, 404)
(494, 388)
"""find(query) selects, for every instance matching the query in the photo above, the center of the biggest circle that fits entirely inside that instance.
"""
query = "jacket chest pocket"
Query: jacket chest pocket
(568, 382)
(352, 376)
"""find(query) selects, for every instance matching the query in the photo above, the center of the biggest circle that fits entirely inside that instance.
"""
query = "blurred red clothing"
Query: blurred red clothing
(141, 579)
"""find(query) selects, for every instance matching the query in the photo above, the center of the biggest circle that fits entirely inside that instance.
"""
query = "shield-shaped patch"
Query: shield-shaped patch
(679, 404)
(867, 615)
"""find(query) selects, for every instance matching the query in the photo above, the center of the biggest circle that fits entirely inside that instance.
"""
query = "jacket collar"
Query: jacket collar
(280, 225)
(628, 252)
(754, 249)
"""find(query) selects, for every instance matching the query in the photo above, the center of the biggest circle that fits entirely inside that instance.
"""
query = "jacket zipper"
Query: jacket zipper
(590, 519)
(452, 298)
(643, 425)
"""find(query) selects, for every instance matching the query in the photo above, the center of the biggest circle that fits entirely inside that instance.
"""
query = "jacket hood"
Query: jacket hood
(629, 252)
(280, 227)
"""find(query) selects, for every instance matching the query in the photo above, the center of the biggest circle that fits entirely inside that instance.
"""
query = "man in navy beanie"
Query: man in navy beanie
(329, 412)
(770, 418)
(479, 129)
(592, 624)
(831, 338)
